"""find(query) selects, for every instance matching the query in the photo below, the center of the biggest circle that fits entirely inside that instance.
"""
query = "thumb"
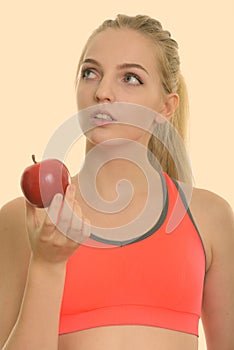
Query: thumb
(31, 216)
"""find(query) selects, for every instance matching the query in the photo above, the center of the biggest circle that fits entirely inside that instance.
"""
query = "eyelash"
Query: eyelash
(134, 75)
(84, 71)
(129, 74)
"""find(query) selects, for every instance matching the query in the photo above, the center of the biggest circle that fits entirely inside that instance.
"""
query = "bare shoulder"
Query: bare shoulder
(213, 216)
(210, 210)
(14, 244)
(13, 234)
(215, 220)
(215, 211)
(14, 260)
(210, 200)
(12, 211)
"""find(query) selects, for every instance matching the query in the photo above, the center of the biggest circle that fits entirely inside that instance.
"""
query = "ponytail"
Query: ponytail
(167, 144)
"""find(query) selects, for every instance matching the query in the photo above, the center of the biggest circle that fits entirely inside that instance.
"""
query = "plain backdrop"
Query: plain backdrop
(40, 45)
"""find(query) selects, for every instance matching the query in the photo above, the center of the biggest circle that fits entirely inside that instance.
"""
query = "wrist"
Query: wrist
(46, 267)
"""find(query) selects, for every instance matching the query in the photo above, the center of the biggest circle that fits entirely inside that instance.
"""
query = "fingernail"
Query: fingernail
(71, 188)
(58, 197)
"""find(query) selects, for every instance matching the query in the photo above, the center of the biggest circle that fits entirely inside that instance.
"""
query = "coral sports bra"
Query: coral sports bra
(155, 280)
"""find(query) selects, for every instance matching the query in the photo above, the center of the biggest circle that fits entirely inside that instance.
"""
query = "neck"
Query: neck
(106, 165)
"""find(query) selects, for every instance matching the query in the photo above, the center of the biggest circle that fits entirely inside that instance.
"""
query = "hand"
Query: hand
(56, 238)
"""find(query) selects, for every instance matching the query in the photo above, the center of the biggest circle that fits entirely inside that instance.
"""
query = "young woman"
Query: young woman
(135, 290)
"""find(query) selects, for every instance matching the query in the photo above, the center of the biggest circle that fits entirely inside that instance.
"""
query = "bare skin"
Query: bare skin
(33, 252)
(215, 222)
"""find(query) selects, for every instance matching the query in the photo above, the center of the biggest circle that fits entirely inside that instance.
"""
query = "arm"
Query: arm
(14, 261)
(37, 323)
(218, 300)
(36, 326)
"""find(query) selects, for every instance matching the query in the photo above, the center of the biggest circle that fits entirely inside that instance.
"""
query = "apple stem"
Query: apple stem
(34, 159)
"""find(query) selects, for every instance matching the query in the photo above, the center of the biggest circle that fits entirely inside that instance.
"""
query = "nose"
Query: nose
(105, 91)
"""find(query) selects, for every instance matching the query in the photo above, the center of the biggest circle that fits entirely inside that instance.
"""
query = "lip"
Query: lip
(102, 122)
(102, 111)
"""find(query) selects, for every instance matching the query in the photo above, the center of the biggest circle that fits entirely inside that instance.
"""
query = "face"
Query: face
(120, 66)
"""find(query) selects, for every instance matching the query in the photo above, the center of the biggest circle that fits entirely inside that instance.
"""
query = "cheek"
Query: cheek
(153, 98)
(81, 98)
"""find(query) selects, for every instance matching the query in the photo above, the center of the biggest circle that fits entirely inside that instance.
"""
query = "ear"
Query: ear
(169, 105)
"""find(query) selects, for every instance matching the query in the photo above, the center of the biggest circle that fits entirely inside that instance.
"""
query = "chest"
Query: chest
(161, 270)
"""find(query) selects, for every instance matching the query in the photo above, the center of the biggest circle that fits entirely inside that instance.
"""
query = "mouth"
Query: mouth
(102, 118)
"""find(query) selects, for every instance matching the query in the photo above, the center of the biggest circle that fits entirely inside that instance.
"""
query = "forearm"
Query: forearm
(37, 324)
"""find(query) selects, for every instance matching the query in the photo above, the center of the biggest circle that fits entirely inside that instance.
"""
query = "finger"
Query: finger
(31, 216)
(76, 225)
(66, 213)
(52, 216)
(86, 229)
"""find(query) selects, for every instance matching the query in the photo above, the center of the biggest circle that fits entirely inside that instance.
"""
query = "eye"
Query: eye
(132, 79)
(88, 73)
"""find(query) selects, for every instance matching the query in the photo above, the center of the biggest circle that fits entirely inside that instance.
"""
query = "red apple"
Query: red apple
(42, 180)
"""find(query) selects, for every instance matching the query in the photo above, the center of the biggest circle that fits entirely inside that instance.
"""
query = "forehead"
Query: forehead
(122, 45)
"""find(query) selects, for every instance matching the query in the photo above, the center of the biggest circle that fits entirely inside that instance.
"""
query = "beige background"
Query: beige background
(40, 45)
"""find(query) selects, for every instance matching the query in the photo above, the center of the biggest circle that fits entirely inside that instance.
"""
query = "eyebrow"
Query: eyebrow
(120, 66)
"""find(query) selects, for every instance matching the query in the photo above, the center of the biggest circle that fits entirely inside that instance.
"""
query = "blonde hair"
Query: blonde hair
(172, 82)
